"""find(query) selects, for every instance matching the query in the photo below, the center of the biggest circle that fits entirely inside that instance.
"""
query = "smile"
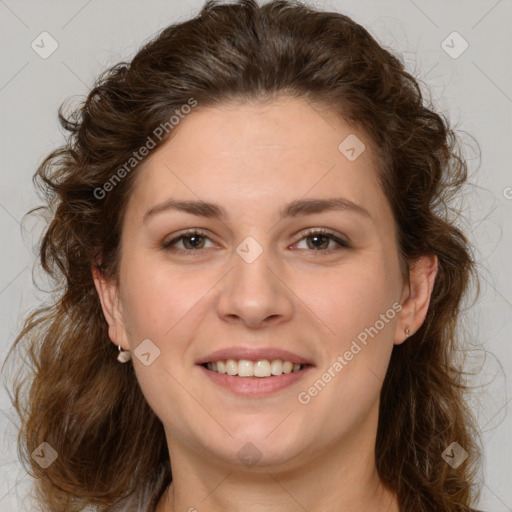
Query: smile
(259, 378)
(261, 368)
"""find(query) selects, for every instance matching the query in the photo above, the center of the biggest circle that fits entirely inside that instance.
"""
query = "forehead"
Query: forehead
(286, 128)
(256, 153)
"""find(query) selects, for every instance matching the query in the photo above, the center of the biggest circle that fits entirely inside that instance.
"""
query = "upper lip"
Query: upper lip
(253, 354)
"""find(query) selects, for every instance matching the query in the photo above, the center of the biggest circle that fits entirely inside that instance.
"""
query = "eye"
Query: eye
(194, 241)
(191, 241)
(320, 240)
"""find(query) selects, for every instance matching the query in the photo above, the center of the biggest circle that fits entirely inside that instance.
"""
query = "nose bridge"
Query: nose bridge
(253, 292)
(252, 262)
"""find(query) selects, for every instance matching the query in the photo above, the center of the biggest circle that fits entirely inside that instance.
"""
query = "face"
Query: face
(269, 274)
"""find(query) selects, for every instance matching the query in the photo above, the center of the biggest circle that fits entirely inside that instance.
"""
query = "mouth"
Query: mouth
(253, 372)
(261, 368)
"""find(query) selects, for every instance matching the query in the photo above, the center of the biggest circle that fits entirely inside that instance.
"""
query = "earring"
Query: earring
(124, 355)
(407, 332)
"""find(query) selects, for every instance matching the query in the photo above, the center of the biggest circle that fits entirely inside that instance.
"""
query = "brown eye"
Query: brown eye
(320, 240)
(192, 241)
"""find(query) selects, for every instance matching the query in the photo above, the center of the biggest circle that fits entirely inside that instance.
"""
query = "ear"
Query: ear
(416, 295)
(108, 293)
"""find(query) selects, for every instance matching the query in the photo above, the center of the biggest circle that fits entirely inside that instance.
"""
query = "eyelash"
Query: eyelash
(168, 246)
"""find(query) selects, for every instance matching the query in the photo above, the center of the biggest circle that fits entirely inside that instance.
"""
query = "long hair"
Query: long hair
(89, 408)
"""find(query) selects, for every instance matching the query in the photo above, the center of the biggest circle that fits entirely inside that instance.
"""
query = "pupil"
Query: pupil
(197, 239)
(317, 238)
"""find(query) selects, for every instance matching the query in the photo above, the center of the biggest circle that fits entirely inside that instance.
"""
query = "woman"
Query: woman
(260, 282)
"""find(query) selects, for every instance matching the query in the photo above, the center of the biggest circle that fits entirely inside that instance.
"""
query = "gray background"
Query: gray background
(474, 90)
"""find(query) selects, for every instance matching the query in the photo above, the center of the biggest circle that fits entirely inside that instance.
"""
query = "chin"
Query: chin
(262, 445)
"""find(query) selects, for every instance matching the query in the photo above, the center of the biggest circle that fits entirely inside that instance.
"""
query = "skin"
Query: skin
(252, 159)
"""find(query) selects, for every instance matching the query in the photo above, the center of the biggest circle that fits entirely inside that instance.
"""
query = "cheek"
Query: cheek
(155, 299)
(356, 305)
(349, 299)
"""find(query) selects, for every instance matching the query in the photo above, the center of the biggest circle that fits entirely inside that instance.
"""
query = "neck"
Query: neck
(271, 492)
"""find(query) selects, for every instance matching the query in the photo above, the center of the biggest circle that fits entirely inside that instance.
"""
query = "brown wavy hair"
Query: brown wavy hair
(73, 393)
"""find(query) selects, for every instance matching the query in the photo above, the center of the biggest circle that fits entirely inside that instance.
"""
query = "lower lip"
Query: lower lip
(255, 386)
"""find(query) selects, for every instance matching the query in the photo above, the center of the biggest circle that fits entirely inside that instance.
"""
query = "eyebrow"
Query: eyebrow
(293, 209)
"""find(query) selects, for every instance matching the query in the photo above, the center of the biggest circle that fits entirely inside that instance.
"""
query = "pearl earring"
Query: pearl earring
(124, 355)
(407, 332)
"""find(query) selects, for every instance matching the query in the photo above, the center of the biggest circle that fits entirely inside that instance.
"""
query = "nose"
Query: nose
(255, 293)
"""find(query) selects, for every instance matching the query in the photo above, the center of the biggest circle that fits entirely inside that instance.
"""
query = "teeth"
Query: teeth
(245, 368)
(231, 367)
(276, 367)
(287, 367)
(260, 368)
